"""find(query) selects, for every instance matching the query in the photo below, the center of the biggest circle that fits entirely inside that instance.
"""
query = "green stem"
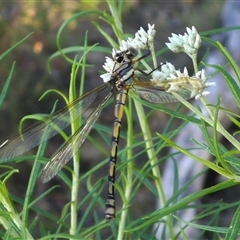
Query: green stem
(75, 187)
(74, 194)
(74, 127)
(195, 64)
(117, 27)
(220, 128)
(76, 158)
(153, 161)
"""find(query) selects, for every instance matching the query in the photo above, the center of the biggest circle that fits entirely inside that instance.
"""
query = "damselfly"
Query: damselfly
(122, 78)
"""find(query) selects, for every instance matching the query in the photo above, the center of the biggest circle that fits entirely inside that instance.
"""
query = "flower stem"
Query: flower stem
(153, 160)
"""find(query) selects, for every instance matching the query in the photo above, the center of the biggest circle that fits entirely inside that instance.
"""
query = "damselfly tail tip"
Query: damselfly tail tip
(110, 209)
(109, 217)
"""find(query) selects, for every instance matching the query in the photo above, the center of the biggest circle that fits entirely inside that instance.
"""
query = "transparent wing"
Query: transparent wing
(72, 145)
(154, 95)
(161, 91)
(48, 127)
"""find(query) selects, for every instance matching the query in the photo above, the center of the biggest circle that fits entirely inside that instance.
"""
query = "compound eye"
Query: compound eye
(132, 52)
(119, 58)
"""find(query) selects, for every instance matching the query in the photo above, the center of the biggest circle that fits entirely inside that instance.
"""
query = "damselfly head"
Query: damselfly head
(125, 56)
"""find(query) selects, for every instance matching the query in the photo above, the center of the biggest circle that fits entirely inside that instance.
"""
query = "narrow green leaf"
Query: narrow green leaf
(3, 55)
(234, 228)
(6, 85)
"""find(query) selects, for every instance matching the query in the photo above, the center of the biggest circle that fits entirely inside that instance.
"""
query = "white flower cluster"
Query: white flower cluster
(189, 43)
(108, 66)
(175, 81)
(169, 78)
(141, 39)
